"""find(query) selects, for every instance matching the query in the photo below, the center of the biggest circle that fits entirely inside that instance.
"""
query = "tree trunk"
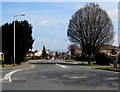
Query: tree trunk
(89, 62)
(89, 59)
(82, 55)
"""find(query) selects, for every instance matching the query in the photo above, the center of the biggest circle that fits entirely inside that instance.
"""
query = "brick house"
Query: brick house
(1, 57)
(108, 49)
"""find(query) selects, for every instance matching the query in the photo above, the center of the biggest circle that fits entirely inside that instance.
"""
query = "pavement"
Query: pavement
(58, 75)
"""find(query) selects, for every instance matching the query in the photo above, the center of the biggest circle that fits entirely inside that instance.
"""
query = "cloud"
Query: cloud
(44, 23)
(39, 21)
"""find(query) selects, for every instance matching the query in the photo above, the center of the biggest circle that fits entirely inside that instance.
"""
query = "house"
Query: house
(1, 57)
(52, 53)
(108, 49)
(30, 54)
(78, 51)
(37, 53)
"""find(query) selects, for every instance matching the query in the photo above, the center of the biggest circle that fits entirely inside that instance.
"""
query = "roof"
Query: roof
(109, 47)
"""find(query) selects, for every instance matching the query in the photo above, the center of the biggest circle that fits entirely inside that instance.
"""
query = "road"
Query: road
(46, 76)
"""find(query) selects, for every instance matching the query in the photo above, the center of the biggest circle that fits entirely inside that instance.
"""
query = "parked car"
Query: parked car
(55, 58)
(47, 58)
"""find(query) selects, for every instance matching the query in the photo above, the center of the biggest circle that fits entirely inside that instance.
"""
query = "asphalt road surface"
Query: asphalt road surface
(46, 76)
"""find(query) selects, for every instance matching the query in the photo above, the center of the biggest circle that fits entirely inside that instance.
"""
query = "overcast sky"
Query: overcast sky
(50, 20)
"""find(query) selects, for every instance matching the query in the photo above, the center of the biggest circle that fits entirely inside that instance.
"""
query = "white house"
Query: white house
(39, 52)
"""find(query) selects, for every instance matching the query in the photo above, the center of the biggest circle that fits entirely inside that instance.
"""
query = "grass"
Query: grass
(86, 64)
(7, 66)
(82, 63)
(91, 65)
(69, 61)
(110, 68)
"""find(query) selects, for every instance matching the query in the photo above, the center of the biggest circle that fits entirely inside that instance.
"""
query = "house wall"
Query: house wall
(1, 57)
(39, 53)
(108, 52)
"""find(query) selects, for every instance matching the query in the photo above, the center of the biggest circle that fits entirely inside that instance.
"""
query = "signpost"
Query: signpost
(115, 54)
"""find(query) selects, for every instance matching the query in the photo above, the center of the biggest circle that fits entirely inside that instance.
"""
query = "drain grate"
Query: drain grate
(18, 81)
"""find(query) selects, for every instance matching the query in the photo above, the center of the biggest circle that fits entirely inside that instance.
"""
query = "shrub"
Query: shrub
(119, 60)
(103, 59)
(69, 61)
(81, 58)
(77, 58)
(72, 57)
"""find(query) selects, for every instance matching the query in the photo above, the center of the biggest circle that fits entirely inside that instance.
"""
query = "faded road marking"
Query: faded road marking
(62, 66)
(8, 75)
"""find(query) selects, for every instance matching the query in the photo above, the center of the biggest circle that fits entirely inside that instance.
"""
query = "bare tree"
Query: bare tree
(90, 27)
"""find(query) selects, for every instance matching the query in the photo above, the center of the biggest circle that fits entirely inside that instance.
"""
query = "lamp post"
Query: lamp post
(69, 53)
(14, 33)
(41, 44)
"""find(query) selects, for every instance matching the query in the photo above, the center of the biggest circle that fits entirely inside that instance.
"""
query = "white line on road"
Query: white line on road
(8, 75)
(109, 71)
(75, 77)
(62, 66)
(111, 78)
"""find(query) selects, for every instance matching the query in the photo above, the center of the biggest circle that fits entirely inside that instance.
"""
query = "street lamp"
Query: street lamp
(41, 44)
(22, 14)
(69, 53)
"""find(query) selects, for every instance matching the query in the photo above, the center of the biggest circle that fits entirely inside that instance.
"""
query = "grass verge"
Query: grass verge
(85, 64)
(110, 69)
(91, 65)
(69, 61)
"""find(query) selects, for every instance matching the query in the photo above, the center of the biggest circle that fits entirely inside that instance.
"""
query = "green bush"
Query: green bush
(81, 58)
(69, 61)
(119, 60)
(72, 57)
(103, 59)
(77, 58)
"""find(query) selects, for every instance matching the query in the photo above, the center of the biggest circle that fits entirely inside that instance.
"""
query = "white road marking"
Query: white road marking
(62, 66)
(74, 77)
(111, 78)
(109, 71)
(43, 76)
(1, 79)
(8, 75)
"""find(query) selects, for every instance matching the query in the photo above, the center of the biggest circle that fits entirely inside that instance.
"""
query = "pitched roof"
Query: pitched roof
(108, 47)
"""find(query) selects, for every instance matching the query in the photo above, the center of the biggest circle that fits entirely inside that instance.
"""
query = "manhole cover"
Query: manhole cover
(18, 81)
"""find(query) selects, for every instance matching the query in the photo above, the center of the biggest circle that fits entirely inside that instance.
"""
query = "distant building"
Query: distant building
(39, 53)
(110, 50)
(78, 51)
(1, 56)
(106, 49)
(52, 53)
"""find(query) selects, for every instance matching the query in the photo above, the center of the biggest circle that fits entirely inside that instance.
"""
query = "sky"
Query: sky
(50, 20)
